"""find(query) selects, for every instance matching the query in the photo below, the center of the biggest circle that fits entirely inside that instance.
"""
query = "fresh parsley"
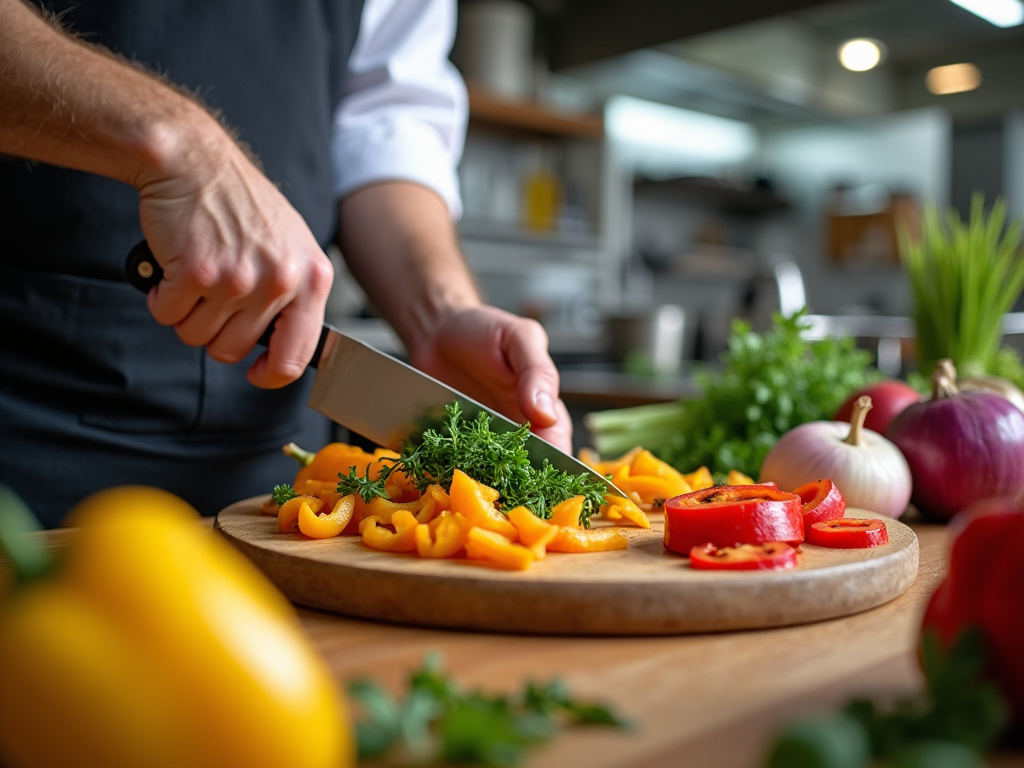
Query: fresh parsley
(496, 459)
(366, 488)
(283, 493)
(768, 384)
(958, 717)
(437, 722)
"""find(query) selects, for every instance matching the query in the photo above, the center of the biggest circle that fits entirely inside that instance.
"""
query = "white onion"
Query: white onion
(868, 470)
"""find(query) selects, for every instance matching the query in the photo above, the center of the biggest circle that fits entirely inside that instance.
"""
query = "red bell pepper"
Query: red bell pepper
(729, 515)
(848, 533)
(984, 588)
(746, 557)
(821, 501)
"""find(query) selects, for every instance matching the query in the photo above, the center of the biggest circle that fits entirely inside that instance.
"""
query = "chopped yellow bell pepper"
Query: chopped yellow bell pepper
(738, 478)
(533, 532)
(700, 479)
(492, 547)
(158, 644)
(385, 509)
(288, 515)
(617, 508)
(444, 539)
(596, 540)
(567, 512)
(326, 526)
(475, 501)
(402, 539)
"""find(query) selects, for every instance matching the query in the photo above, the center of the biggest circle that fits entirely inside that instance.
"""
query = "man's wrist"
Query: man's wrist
(184, 141)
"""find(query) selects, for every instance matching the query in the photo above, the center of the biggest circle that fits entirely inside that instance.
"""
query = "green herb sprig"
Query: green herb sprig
(496, 459)
(964, 277)
(283, 493)
(768, 384)
(437, 722)
(366, 488)
(957, 718)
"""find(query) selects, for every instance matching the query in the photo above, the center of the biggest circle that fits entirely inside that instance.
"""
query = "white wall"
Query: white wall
(908, 151)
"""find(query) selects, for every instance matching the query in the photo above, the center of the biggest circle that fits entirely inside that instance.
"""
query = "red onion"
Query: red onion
(961, 446)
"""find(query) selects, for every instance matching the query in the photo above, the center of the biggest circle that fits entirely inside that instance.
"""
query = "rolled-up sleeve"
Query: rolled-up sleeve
(403, 116)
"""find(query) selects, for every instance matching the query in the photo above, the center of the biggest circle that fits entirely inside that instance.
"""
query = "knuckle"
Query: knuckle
(204, 273)
(282, 279)
(239, 282)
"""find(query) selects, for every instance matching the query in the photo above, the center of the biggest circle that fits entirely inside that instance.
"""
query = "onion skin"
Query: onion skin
(992, 384)
(961, 449)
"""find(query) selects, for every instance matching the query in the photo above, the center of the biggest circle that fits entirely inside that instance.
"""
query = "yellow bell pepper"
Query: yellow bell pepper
(616, 508)
(700, 479)
(533, 532)
(738, 478)
(157, 644)
(475, 501)
(326, 526)
(579, 540)
(567, 512)
(402, 539)
(443, 538)
(498, 550)
(288, 515)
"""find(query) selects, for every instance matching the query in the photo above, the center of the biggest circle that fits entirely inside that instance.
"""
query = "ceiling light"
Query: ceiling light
(953, 78)
(1002, 13)
(860, 55)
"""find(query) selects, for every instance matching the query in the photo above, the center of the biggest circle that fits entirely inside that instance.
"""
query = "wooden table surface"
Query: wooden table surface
(698, 700)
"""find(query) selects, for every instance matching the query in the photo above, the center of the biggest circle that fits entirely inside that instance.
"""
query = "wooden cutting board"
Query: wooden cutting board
(642, 590)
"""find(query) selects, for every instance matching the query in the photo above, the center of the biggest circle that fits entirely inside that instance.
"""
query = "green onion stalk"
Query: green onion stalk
(964, 278)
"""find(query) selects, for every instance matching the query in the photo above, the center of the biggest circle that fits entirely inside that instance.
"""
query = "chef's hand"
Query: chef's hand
(502, 361)
(235, 255)
(402, 247)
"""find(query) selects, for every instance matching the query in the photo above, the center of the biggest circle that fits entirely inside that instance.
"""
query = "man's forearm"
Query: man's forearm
(401, 247)
(68, 103)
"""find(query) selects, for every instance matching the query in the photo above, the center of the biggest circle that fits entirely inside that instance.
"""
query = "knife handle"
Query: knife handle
(143, 272)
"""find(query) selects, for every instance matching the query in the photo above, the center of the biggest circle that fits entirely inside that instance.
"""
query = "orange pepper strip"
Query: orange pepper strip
(386, 510)
(590, 457)
(624, 508)
(288, 515)
(476, 502)
(533, 532)
(646, 463)
(738, 478)
(403, 539)
(567, 512)
(448, 538)
(700, 479)
(652, 488)
(337, 458)
(429, 510)
(444, 501)
(612, 466)
(492, 547)
(326, 526)
(578, 540)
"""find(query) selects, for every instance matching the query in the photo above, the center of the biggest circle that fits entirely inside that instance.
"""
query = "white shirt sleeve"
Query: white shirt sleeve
(403, 116)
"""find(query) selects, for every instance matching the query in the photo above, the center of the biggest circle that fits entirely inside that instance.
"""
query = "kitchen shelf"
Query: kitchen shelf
(489, 111)
(515, 234)
(718, 193)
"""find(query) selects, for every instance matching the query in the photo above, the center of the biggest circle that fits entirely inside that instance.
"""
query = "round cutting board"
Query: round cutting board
(642, 590)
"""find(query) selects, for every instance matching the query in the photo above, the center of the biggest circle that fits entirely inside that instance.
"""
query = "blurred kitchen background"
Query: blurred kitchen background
(637, 174)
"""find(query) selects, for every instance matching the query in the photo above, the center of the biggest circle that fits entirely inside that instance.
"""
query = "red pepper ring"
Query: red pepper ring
(729, 515)
(821, 501)
(848, 533)
(773, 555)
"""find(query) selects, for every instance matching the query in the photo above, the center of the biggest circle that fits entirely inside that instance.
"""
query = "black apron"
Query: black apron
(93, 392)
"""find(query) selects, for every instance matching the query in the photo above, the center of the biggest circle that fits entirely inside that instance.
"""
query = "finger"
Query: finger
(560, 433)
(239, 334)
(176, 296)
(537, 388)
(292, 344)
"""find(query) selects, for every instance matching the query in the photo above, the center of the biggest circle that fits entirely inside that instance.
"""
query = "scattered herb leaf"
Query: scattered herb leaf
(438, 722)
(366, 488)
(283, 493)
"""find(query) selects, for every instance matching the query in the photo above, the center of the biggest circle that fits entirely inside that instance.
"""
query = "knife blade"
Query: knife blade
(374, 394)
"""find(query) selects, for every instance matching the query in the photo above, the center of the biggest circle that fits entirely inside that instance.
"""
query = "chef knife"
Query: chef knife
(374, 394)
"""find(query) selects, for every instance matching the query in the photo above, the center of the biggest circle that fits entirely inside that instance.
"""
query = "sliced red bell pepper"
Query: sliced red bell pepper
(848, 533)
(821, 501)
(729, 515)
(746, 557)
